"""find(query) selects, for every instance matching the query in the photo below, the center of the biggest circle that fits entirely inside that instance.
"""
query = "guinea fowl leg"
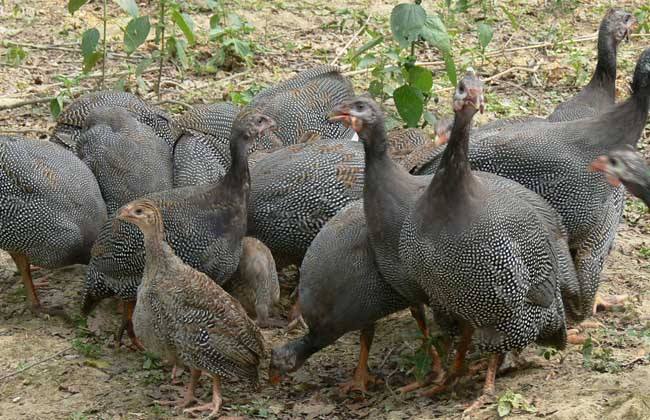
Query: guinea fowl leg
(213, 406)
(458, 367)
(188, 397)
(22, 263)
(127, 325)
(607, 303)
(488, 387)
(362, 377)
(437, 371)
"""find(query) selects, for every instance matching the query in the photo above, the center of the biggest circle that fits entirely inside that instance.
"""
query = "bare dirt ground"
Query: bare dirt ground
(51, 369)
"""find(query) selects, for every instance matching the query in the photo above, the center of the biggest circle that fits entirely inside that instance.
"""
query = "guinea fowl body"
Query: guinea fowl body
(552, 159)
(202, 153)
(126, 156)
(71, 121)
(204, 225)
(50, 204)
(300, 107)
(600, 93)
(184, 316)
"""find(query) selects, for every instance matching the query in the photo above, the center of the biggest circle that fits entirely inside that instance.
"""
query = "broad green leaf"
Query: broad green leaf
(504, 408)
(177, 49)
(409, 105)
(129, 6)
(185, 24)
(74, 5)
(435, 33)
(89, 41)
(56, 106)
(406, 23)
(587, 350)
(511, 17)
(430, 118)
(450, 66)
(241, 48)
(136, 33)
(421, 78)
(91, 60)
(485, 33)
(367, 61)
(15, 56)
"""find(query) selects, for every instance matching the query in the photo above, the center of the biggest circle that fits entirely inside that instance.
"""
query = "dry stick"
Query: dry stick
(64, 48)
(162, 46)
(493, 77)
(19, 371)
(354, 37)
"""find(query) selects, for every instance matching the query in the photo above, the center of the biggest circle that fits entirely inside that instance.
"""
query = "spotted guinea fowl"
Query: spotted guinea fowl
(301, 104)
(255, 283)
(600, 93)
(340, 290)
(204, 225)
(202, 153)
(626, 166)
(50, 206)
(186, 317)
(488, 253)
(552, 159)
(70, 122)
(126, 156)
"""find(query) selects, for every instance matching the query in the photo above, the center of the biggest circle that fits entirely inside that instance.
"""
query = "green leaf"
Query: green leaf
(450, 66)
(74, 5)
(136, 33)
(435, 33)
(177, 49)
(91, 60)
(504, 408)
(89, 41)
(185, 24)
(129, 6)
(409, 105)
(15, 56)
(485, 33)
(587, 350)
(421, 78)
(406, 23)
(430, 118)
(511, 17)
(56, 106)
(376, 88)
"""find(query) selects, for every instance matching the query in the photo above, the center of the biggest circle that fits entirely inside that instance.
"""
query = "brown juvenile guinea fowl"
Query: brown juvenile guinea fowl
(489, 253)
(127, 157)
(184, 316)
(204, 224)
(70, 122)
(50, 206)
(600, 93)
(340, 291)
(552, 159)
(626, 166)
(255, 283)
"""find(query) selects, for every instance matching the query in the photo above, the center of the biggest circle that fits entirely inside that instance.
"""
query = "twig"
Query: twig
(19, 371)
(18, 104)
(101, 84)
(161, 25)
(354, 38)
(493, 77)
(63, 47)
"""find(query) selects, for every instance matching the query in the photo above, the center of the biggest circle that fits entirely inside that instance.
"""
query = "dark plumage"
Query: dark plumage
(204, 225)
(50, 206)
(71, 120)
(628, 167)
(186, 317)
(599, 94)
(126, 156)
(552, 159)
(202, 153)
(489, 254)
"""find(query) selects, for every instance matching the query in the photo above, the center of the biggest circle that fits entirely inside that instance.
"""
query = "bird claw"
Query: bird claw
(608, 303)
(480, 402)
(213, 406)
(359, 382)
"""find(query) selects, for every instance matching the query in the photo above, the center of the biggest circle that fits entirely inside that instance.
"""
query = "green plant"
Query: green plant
(644, 252)
(229, 31)
(510, 401)
(86, 348)
(548, 352)
(598, 358)
(642, 15)
(15, 56)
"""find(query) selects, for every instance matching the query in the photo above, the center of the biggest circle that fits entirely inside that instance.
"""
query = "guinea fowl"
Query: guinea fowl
(301, 105)
(552, 159)
(488, 253)
(126, 156)
(204, 225)
(202, 153)
(255, 283)
(340, 291)
(71, 121)
(50, 206)
(626, 166)
(186, 317)
(600, 93)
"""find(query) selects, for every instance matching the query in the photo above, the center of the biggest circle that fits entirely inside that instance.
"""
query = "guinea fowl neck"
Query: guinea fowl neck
(624, 124)
(605, 74)
(238, 174)
(154, 246)
(375, 146)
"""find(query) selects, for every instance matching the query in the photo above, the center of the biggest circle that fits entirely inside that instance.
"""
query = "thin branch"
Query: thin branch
(354, 38)
(66, 47)
(19, 371)
(161, 25)
(18, 103)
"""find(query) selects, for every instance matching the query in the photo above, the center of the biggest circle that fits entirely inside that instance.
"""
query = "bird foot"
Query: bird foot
(271, 323)
(176, 372)
(480, 402)
(359, 382)
(294, 324)
(574, 337)
(41, 283)
(213, 406)
(136, 344)
(608, 303)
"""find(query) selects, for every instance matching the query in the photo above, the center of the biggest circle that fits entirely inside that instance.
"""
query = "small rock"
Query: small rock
(15, 400)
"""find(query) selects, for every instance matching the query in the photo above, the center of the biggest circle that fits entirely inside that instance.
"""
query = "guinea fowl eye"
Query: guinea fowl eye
(138, 212)
(613, 161)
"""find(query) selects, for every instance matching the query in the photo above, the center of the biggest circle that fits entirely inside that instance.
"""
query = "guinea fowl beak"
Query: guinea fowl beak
(341, 113)
(630, 25)
(601, 164)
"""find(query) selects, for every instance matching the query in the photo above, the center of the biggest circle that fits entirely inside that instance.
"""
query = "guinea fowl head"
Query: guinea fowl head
(468, 98)
(641, 80)
(142, 213)
(362, 114)
(622, 165)
(617, 24)
(250, 125)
